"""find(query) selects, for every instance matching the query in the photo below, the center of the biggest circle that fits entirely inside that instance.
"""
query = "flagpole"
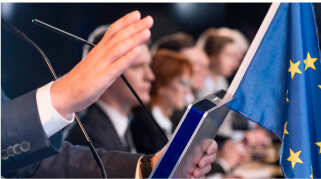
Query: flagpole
(253, 48)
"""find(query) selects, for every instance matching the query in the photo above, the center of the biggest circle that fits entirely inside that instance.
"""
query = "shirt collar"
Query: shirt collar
(119, 121)
(164, 122)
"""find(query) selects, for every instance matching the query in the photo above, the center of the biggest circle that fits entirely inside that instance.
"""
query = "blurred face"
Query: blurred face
(140, 76)
(173, 95)
(227, 62)
(200, 63)
(240, 55)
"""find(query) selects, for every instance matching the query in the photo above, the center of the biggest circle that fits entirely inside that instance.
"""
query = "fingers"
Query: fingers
(202, 158)
(130, 30)
(121, 48)
(200, 150)
(206, 160)
(125, 40)
(205, 144)
(119, 66)
(200, 172)
(212, 149)
(123, 22)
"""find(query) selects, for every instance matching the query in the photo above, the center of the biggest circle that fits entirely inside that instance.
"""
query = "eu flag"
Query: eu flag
(281, 87)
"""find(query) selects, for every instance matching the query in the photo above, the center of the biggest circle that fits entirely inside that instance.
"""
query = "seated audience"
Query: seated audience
(30, 124)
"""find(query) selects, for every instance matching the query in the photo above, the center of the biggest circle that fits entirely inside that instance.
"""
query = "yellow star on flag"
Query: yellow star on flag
(318, 144)
(285, 131)
(311, 176)
(294, 68)
(309, 62)
(287, 99)
(319, 86)
(294, 158)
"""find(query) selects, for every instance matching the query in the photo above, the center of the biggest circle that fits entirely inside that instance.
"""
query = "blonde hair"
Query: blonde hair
(236, 35)
(238, 38)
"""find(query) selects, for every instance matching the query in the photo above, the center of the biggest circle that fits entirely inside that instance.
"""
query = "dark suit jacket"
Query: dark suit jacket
(146, 136)
(102, 133)
(18, 118)
(20, 122)
(99, 128)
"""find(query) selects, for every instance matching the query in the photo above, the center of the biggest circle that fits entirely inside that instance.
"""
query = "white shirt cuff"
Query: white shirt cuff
(51, 120)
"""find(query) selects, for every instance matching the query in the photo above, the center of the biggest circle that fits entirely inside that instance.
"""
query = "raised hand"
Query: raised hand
(85, 83)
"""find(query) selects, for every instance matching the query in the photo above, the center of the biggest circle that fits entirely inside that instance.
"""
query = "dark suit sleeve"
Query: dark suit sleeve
(23, 139)
(20, 124)
(78, 162)
(217, 168)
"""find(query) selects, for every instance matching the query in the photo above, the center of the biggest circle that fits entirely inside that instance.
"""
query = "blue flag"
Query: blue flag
(281, 88)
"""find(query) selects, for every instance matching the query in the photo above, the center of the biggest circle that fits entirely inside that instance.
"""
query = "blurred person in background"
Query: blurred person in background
(225, 52)
(172, 75)
(172, 83)
(226, 48)
(221, 51)
(239, 39)
(185, 44)
(111, 115)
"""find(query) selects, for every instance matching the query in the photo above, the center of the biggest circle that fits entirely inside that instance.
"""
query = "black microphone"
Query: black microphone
(76, 38)
(21, 35)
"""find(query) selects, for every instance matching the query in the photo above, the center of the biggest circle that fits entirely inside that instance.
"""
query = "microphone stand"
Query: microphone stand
(76, 38)
(34, 45)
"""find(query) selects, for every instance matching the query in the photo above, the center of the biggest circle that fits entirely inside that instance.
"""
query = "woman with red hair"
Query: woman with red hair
(172, 74)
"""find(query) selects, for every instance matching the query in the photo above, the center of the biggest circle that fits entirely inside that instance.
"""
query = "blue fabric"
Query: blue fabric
(267, 83)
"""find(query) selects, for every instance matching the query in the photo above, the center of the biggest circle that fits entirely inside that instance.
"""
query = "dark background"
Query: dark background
(23, 69)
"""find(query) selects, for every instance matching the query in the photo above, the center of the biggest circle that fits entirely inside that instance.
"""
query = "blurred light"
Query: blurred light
(185, 10)
(7, 10)
(199, 14)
